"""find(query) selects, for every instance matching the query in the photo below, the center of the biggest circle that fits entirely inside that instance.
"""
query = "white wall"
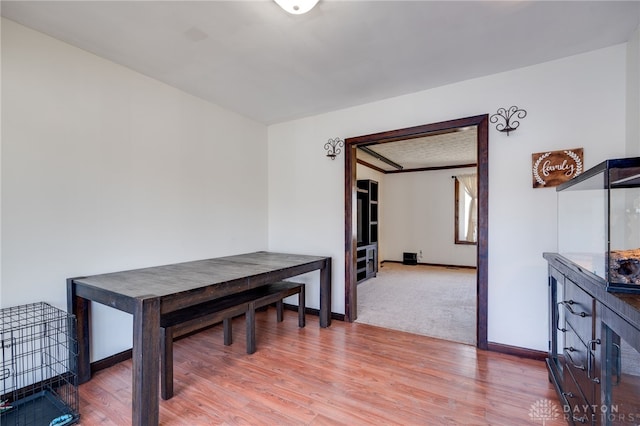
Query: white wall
(1, 112)
(411, 221)
(633, 95)
(419, 209)
(104, 169)
(573, 102)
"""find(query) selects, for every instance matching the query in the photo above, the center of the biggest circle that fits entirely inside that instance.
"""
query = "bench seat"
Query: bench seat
(189, 320)
(266, 295)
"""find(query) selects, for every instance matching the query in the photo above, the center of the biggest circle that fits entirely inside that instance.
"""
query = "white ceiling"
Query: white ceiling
(253, 58)
(439, 150)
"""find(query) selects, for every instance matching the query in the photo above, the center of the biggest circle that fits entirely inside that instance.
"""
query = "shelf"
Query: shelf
(367, 251)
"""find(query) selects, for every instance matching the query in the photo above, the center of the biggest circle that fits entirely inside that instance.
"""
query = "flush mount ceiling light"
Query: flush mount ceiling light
(297, 7)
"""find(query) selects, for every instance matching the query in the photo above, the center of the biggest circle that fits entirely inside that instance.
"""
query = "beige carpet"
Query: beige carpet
(428, 300)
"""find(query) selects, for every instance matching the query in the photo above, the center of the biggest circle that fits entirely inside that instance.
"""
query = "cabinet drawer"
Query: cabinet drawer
(580, 361)
(579, 308)
(580, 410)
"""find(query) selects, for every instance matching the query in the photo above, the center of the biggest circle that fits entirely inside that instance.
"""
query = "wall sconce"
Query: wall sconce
(505, 119)
(333, 147)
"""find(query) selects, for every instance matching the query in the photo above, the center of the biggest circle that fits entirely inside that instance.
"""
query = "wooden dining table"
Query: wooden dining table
(149, 293)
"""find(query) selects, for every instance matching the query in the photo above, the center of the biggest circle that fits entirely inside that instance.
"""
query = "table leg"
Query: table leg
(79, 307)
(250, 317)
(146, 352)
(301, 307)
(325, 294)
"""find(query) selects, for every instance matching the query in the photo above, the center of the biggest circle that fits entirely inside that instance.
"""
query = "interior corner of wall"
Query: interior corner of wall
(632, 147)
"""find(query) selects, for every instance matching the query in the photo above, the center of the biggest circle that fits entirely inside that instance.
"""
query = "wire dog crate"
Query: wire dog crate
(38, 360)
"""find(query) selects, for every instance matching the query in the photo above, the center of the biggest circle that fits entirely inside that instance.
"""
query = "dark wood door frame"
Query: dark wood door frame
(482, 123)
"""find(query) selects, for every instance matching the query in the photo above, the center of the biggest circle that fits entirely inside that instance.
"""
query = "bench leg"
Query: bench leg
(166, 363)
(251, 328)
(279, 310)
(301, 307)
(228, 333)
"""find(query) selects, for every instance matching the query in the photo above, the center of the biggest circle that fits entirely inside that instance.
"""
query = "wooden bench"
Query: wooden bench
(189, 320)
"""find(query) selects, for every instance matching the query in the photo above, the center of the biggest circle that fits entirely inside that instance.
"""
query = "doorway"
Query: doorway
(481, 124)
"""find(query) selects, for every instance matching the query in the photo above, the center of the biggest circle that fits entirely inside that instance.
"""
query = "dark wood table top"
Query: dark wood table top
(149, 293)
(167, 280)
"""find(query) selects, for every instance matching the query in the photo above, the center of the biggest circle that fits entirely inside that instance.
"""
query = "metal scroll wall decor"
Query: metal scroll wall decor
(507, 119)
(333, 147)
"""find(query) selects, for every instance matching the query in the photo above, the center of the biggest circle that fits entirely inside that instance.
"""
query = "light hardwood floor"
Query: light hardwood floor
(348, 374)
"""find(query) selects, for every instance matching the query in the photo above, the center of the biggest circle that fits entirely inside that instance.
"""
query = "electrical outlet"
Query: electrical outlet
(420, 254)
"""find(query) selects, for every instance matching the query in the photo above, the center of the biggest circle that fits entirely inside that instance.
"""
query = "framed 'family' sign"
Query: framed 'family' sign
(554, 167)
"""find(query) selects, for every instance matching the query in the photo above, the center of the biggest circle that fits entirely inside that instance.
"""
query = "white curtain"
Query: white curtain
(470, 184)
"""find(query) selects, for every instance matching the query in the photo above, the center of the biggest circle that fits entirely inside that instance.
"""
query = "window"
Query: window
(466, 210)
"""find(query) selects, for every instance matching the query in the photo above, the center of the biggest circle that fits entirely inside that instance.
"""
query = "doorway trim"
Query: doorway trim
(482, 145)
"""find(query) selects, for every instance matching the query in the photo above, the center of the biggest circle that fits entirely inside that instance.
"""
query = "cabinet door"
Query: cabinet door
(580, 309)
(620, 370)
(557, 326)
(372, 261)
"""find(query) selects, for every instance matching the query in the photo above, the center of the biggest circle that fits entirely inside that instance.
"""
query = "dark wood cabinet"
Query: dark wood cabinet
(594, 347)
(367, 251)
(367, 262)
